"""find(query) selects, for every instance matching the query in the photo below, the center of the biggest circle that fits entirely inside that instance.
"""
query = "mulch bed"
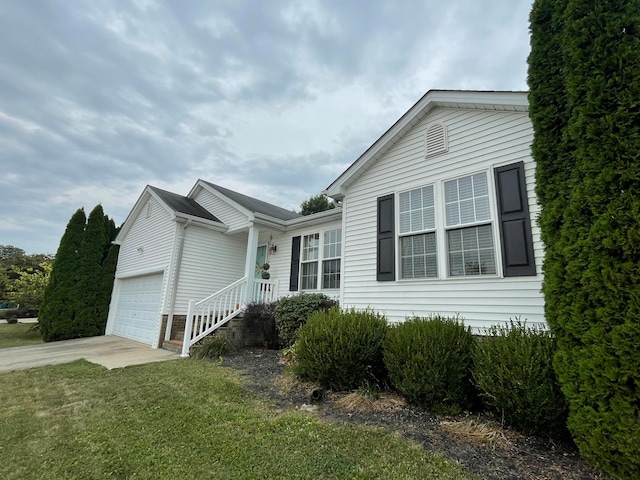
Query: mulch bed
(482, 446)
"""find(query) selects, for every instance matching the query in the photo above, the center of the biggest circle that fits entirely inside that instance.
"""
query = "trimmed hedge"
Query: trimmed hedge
(429, 362)
(293, 312)
(341, 350)
(513, 371)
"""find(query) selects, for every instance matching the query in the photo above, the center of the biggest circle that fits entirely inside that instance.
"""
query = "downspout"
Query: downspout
(176, 276)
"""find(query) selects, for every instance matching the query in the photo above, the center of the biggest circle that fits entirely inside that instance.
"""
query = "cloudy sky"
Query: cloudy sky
(274, 99)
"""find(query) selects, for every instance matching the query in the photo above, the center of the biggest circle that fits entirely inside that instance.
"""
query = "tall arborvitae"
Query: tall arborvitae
(548, 110)
(108, 276)
(60, 305)
(592, 233)
(93, 250)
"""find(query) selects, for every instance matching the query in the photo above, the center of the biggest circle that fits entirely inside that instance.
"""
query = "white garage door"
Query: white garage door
(137, 308)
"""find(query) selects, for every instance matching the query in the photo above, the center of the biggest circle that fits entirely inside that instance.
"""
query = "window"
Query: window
(470, 241)
(331, 253)
(310, 250)
(417, 236)
(452, 226)
(320, 263)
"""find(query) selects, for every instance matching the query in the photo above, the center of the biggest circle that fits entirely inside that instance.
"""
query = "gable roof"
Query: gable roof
(461, 99)
(183, 205)
(254, 205)
(178, 207)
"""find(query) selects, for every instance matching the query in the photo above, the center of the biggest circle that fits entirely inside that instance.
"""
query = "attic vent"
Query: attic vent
(436, 140)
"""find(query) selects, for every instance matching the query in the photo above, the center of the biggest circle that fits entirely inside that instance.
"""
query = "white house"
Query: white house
(437, 216)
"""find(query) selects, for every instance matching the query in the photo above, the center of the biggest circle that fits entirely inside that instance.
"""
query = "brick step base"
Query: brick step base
(172, 345)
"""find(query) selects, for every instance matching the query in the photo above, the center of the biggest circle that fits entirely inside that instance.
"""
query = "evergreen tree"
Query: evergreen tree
(91, 314)
(57, 315)
(589, 192)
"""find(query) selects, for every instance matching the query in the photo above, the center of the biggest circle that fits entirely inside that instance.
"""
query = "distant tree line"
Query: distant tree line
(23, 277)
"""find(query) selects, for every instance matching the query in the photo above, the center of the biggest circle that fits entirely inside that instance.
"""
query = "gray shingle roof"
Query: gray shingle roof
(180, 204)
(255, 205)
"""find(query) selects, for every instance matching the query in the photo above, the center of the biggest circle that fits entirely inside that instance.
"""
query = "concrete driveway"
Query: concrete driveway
(109, 351)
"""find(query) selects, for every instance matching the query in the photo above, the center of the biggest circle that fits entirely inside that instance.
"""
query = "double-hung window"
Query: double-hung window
(309, 261)
(469, 232)
(453, 228)
(326, 255)
(418, 251)
(331, 252)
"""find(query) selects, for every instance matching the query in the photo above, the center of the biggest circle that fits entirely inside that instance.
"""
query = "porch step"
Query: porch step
(172, 345)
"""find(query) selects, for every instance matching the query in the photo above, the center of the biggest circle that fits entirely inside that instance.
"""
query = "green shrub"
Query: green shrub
(341, 350)
(259, 319)
(293, 312)
(429, 362)
(513, 371)
(213, 346)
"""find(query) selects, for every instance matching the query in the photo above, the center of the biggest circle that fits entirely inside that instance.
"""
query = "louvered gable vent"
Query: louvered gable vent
(436, 140)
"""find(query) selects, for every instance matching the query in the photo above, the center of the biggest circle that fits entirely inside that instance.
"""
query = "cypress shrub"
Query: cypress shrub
(341, 350)
(92, 313)
(429, 362)
(76, 301)
(513, 371)
(60, 305)
(292, 312)
(592, 264)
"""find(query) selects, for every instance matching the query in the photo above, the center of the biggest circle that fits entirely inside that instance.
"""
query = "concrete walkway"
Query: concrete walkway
(109, 351)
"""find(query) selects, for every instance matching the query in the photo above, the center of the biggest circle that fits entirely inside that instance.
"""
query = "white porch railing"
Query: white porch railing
(206, 316)
(265, 291)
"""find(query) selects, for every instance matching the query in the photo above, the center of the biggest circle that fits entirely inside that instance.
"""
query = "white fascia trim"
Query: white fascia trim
(315, 219)
(201, 222)
(518, 101)
(268, 221)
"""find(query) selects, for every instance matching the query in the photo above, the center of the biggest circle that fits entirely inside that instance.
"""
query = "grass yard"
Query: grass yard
(18, 335)
(182, 419)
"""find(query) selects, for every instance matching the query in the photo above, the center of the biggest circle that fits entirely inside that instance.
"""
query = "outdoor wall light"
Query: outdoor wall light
(140, 249)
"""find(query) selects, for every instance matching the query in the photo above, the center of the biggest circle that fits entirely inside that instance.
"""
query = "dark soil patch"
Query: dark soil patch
(480, 445)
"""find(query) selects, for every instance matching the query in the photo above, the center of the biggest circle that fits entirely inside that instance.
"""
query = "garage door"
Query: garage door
(137, 308)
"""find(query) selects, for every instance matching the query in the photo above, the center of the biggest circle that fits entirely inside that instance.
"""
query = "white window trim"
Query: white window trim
(400, 235)
(441, 229)
(321, 259)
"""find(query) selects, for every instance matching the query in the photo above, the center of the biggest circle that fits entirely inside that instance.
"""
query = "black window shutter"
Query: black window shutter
(295, 264)
(515, 223)
(386, 270)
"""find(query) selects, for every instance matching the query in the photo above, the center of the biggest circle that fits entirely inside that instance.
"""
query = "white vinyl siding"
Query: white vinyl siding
(148, 243)
(223, 211)
(210, 262)
(478, 141)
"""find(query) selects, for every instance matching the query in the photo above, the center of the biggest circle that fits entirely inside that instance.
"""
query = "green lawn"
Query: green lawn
(182, 419)
(18, 335)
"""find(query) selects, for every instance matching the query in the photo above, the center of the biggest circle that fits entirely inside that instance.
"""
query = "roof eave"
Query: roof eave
(518, 101)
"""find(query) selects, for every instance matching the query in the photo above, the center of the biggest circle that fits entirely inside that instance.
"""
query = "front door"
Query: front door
(261, 258)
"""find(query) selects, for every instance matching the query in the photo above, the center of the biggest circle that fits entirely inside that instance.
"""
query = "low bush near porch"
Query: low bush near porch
(513, 370)
(293, 312)
(341, 350)
(429, 362)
